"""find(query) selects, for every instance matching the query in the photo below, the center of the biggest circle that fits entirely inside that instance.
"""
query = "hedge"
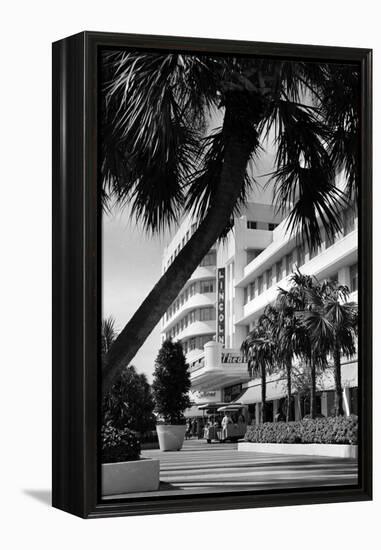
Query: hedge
(339, 430)
(118, 445)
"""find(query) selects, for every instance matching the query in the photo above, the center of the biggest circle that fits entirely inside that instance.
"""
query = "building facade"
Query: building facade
(229, 291)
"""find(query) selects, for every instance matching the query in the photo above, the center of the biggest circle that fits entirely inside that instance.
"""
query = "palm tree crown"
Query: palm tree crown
(158, 158)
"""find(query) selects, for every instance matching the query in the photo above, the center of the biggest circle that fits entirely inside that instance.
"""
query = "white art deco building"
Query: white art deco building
(229, 291)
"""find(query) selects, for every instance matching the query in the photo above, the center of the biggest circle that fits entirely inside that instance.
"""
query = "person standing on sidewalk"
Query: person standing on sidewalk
(224, 424)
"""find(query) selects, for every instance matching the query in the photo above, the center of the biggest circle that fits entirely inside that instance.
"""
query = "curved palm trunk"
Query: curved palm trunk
(263, 394)
(313, 389)
(238, 149)
(289, 390)
(339, 410)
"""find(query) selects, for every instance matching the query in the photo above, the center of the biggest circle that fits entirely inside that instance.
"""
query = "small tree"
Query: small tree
(171, 383)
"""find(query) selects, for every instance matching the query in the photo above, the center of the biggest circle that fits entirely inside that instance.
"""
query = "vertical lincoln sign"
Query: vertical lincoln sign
(221, 305)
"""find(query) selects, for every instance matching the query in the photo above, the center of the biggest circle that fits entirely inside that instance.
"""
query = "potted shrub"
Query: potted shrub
(123, 471)
(170, 390)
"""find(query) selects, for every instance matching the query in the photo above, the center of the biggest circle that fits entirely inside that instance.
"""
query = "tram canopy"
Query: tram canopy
(206, 406)
(230, 407)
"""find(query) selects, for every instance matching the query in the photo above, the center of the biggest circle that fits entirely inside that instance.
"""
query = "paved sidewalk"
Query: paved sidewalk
(204, 468)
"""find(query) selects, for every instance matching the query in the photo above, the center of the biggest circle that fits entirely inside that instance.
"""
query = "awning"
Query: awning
(274, 390)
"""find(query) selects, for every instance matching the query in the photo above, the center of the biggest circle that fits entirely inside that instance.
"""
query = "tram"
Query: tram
(215, 430)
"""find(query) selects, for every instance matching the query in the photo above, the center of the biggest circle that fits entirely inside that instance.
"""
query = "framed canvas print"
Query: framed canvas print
(212, 274)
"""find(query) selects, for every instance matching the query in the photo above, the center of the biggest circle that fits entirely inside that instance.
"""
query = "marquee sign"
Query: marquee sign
(221, 305)
(232, 358)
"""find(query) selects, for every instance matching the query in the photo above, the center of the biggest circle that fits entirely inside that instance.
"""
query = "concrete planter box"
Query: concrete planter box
(134, 476)
(315, 449)
(171, 436)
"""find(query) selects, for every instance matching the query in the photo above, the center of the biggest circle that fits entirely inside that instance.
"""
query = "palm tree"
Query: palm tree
(285, 331)
(158, 158)
(260, 349)
(296, 335)
(332, 323)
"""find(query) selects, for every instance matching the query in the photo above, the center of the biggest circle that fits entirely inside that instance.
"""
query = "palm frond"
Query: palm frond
(153, 117)
(108, 334)
(341, 108)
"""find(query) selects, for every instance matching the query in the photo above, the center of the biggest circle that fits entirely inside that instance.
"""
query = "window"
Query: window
(192, 344)
(251, 225)
(260, 284)
(288, 263)
(206, 286)
(245, 300)
(192, 317)
(232, 392)
(354, 277)
(279, 270)
(251, 290)
(204, 339)
(209, 259)
(251, 254)
(272, 226)
(207, 314)
(269, 277)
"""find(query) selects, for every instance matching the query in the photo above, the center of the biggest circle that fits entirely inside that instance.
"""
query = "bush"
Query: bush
(148, 437)
(130, 404)
(148, 440)
(118, 445)
(335, 429)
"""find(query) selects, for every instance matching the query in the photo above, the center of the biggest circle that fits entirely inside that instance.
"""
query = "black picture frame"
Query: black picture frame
(76, 279)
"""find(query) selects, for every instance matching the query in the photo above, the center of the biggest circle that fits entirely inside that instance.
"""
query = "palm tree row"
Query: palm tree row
(310, 321)
(159, 159)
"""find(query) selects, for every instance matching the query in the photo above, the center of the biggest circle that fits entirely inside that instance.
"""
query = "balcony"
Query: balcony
(202, 273)
(342, 253)
(217, 368)
(197, 328)
(207, 299)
